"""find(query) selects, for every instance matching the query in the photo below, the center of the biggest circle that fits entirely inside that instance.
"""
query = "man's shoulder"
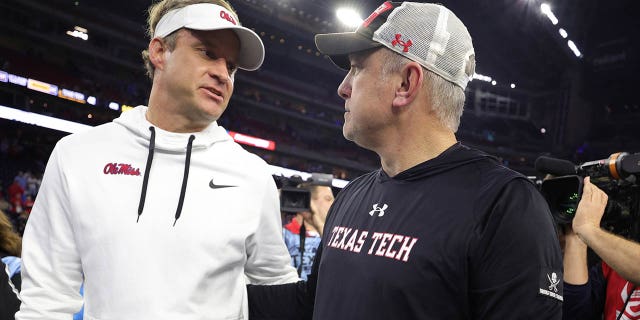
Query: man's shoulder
(102, 133)
(364, 179)
(492, 172)
(233, 160)
(242, 157)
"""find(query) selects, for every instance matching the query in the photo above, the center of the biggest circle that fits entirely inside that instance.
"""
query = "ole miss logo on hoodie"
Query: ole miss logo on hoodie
(121, 168)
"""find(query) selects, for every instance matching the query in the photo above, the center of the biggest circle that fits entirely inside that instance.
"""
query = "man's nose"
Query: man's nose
(219, 71)
(344, 90)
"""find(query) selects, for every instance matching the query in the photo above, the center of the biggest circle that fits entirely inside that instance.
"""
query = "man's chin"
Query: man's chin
(348, 134)
(212, 111)
(204, 117)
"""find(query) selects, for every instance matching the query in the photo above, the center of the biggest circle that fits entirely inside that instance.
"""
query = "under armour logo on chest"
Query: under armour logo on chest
(378, 210)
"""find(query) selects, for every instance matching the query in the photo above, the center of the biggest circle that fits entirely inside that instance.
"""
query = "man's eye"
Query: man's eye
(208, 54)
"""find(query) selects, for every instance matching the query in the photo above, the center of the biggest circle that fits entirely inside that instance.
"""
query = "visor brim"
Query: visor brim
(251, 53)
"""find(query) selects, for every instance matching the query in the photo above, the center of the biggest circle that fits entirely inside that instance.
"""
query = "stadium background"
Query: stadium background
(533, 96)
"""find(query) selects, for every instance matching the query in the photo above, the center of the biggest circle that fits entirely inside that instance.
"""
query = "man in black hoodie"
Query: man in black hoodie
(441, 231)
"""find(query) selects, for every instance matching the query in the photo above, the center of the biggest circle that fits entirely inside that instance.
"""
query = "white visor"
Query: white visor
(208, 16)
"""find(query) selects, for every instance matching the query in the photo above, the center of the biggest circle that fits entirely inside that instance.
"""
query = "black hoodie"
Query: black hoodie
(456, 237)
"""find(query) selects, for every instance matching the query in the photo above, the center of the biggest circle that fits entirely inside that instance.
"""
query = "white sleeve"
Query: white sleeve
(51, 268)
(268, 261)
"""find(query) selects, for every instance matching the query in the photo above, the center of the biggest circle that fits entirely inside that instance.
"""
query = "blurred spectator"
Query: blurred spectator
(10, 278)
(15, 190)
(302, 235)
(607, 290)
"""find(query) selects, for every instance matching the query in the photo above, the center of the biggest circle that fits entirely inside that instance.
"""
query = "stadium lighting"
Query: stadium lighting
(494, 82)
(349, 17)
(72, 127)
(574, 48)
(114, 106)
(41, 120)
(563, 33)
(482, 77)
(546, 10)
(513, 86)
(253, 141)
(91, 100)
(79, 32)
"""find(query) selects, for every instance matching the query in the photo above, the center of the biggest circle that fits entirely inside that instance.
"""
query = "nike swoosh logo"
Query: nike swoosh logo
(218, 186)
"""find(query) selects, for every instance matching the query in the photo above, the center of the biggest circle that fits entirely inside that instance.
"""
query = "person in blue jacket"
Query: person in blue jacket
(303, 233)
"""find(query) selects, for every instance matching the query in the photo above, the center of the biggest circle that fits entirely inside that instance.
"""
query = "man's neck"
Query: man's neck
(409, 152)
(171, 121)
(165, 113)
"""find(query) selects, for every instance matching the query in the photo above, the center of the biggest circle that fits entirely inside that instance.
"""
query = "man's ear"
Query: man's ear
(157, 52)
(412, 77)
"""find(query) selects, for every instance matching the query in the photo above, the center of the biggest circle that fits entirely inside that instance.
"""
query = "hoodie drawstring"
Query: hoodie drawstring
(145, 181)
(187, 161)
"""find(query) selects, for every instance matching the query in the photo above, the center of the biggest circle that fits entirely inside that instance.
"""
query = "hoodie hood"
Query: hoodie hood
(135, 120)
(455, 156)
(154, 138)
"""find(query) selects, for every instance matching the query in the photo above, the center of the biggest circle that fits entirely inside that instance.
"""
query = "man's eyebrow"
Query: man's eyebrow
(202, 40)
(213, 46)
(356, 57)
(206, 43)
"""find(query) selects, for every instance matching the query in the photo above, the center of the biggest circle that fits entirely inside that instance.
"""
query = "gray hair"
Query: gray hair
(447, 98)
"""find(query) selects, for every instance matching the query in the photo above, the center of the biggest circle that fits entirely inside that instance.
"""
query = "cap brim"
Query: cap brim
(251, 49)
(251, 53)
(338, 46)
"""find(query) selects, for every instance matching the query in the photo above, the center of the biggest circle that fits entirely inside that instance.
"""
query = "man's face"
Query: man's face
(199, 71)
(322, 198)
(368, 94)
(321, 201)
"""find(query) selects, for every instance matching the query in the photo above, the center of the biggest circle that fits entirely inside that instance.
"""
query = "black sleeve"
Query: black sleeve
(582, 302)
(9, 302)
(514, 259)
(291, 301)
(17, 281)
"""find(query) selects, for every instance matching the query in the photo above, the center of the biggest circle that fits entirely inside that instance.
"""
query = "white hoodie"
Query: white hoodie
(84, 221)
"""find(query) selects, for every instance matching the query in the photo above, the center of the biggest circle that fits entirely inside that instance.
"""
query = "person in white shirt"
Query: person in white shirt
(160, 213)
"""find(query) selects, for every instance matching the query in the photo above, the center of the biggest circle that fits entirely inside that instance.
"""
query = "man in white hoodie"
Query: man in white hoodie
(160, 213)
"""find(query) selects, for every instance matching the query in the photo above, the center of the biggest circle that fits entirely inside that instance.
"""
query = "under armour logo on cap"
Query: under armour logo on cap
(397, 41)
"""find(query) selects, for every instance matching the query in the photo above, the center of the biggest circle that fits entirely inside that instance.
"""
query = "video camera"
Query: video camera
(295, 195)
(618, 176)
